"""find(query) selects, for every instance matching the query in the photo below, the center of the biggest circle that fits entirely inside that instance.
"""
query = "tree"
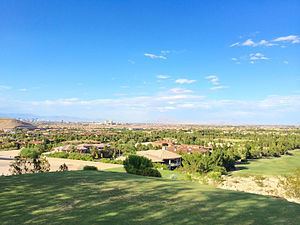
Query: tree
(140, 165)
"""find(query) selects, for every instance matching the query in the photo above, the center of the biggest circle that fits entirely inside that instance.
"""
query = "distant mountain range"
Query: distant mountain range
(24, 116)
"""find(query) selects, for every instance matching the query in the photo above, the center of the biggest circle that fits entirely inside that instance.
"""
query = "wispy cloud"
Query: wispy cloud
(139, 108)
(184, 81)
(162, 77)
(235, 44)
(251, 43)
(252, 58)
(180, 91)
(153, 56)
(215, 81)
(257, 56)
(248, 42)
(23, 89)
(293, 39)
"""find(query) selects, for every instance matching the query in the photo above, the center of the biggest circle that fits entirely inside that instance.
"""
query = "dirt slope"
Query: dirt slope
(9, 124)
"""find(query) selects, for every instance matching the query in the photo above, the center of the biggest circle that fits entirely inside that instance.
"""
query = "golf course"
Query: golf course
(98, 197)
(283, 165)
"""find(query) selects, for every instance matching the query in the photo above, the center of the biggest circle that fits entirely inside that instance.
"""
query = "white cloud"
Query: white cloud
(214, 80)
(234, 59)
(235, 44)
(184, 81)
(248, 42)
(162, 77)
(180, 91)
(265, 43)
(153, 56)
(271, 109)
(257, 56)
(23, 89)
(286, 62)
(294, 39)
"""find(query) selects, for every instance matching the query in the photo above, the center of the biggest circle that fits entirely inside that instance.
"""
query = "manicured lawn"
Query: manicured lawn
(274, 166)
(167, 174)
(94, 197)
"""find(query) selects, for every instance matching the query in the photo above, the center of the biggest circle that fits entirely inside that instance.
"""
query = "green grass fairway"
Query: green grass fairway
(275, 166)
(167, 174)
(94, 197)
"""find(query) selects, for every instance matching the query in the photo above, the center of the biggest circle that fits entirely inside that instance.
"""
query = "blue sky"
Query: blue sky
(234, 62)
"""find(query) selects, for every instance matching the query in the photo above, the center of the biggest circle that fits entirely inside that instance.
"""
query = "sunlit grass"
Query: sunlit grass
(273, 166)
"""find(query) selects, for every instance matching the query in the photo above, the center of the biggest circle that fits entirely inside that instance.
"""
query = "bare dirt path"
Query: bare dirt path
(6, 158)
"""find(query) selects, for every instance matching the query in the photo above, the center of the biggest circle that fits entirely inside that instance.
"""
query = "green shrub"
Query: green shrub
(220, 169)
(113, 161)
(79, 156)
(30, 153)
(90, 168)
(219, 160)
(160, 166)
(214, 175)
(150, 172)
(137, 162)
(63, 155)
(140, 165)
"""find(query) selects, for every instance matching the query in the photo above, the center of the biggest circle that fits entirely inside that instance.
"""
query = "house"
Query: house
(181, 149)
(171, 159)
(65, 148)
(82, 148)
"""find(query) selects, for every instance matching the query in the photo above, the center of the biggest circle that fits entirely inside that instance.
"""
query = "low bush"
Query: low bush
(63, 155)
(214, 175)
(150, 172)
(160, 166)
(30, 153)
(140, 165)
(90, 168)
(72, 155)
(113, 161)
(79, 156)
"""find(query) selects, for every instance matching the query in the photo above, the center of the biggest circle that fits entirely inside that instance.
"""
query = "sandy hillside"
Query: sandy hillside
(6, 124)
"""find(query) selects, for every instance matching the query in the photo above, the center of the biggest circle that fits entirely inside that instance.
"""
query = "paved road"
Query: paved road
(6, 157)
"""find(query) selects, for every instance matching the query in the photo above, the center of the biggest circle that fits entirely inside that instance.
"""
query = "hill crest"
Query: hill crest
(9, 124)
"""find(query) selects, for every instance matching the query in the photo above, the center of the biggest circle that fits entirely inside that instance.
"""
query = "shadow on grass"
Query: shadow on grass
(91, 197)
(238, 168)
